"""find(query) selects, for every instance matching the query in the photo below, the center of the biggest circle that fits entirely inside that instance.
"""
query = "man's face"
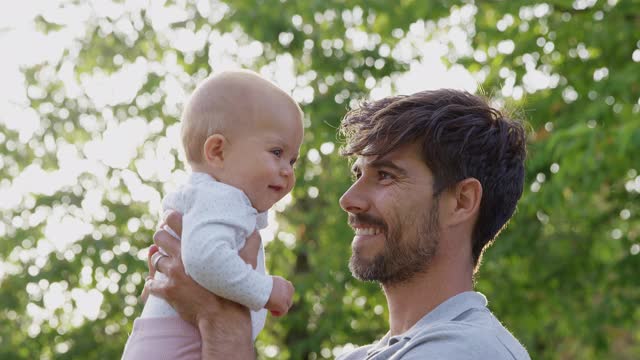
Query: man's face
(394, 214)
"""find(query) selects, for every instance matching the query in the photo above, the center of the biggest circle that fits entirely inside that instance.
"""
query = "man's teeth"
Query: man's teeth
(367, 231)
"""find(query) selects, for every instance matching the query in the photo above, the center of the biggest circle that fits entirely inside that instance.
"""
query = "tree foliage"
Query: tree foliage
(562, 277)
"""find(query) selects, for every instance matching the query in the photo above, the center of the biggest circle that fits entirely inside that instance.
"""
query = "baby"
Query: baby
(242, 136)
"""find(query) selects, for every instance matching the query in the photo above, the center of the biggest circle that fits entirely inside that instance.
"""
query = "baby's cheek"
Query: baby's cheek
(292, 182)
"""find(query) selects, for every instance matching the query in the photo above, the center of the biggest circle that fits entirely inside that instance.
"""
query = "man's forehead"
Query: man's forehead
(401, 157)
(373, 160)
(363, 160)
(393, 155)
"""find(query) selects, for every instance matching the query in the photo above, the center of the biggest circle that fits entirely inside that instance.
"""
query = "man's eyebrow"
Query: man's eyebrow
(386, 163)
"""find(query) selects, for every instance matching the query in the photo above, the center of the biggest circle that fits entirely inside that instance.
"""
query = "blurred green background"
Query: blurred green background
(90, 100)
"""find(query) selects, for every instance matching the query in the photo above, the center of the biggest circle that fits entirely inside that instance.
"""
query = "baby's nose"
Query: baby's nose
(286, 171)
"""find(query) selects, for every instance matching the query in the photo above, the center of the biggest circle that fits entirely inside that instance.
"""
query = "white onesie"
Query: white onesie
(217, 219)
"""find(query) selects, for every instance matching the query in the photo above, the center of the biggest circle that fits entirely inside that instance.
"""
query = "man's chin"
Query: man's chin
(364, 269)
(376, 270)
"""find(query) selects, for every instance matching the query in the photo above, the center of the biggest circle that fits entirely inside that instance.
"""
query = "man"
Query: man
(437, 176)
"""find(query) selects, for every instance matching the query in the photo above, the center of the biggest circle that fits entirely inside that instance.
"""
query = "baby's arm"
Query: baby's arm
(212, 261)
(282, 292)
(212, 226)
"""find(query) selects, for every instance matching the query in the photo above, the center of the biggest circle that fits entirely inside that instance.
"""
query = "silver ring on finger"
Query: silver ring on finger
(155, 259)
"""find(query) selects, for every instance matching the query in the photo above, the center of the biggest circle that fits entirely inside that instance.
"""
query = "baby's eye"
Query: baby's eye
(293, 162)
(277, 152)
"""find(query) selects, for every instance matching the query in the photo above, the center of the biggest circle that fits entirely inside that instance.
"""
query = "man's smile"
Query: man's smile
(367, 231)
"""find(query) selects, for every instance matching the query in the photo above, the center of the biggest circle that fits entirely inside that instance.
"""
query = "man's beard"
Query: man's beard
(402, 257)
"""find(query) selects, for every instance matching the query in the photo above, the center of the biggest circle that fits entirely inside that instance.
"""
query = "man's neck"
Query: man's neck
(411, 300)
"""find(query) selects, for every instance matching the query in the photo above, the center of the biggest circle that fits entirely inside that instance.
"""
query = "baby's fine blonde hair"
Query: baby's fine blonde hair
(224, 103)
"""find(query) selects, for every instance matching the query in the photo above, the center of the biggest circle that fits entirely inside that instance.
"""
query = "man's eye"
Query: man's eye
(383, 175)
(277, 152)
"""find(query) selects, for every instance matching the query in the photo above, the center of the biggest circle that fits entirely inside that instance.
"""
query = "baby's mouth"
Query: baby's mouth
(275, 187)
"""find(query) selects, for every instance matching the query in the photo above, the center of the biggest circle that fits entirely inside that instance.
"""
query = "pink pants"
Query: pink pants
(163, 338)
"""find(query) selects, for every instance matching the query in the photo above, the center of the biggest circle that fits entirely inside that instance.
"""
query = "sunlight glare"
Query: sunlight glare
(121, 87)
(64, 231)
(142, 192)
(88, 303)
(119, 143)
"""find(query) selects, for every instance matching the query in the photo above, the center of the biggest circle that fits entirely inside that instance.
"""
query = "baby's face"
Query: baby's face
(260, 161)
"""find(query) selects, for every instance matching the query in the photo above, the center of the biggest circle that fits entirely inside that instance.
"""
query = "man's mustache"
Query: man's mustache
(366, 219)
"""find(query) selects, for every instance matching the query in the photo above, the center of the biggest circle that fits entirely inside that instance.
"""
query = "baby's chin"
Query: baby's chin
(260, 211)
(265, 207)
(262, 208)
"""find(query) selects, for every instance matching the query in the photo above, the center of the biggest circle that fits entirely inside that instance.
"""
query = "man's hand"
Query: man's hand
(249, 253)
(152, 271)
(225, 326)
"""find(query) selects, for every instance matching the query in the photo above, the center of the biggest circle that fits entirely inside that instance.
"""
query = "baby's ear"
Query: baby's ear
(214, 150)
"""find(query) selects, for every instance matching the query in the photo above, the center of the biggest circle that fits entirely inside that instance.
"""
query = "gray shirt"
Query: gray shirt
(461, 328)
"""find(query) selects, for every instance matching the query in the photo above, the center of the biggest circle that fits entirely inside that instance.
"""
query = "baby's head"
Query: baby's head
(245, 132)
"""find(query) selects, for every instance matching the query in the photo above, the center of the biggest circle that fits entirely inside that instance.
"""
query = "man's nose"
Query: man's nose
(354, 200)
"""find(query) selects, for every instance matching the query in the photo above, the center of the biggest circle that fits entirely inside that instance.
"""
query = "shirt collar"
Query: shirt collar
(199, 177)
(446, 311)
(195, 178)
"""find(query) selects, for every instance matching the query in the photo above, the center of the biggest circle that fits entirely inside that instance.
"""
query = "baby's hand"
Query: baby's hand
(281, 297)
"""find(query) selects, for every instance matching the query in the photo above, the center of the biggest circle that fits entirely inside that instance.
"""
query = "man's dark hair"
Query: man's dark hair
(461, 136)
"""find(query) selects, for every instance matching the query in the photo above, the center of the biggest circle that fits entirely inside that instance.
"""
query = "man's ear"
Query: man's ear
(213, 150)
(464, 202)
